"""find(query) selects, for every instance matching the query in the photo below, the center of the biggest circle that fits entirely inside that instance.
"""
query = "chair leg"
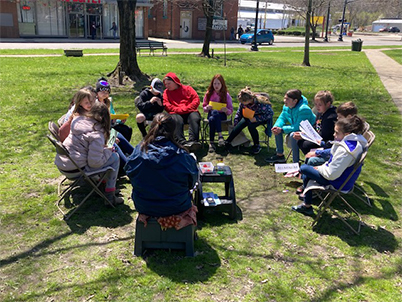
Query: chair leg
(323, 206)
(366, 198)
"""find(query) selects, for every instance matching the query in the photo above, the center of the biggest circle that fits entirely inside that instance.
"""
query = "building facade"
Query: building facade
(66, 18)
(270, 15)
(175, 19)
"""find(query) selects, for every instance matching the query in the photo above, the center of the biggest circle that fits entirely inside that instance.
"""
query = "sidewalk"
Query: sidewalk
(390, 73)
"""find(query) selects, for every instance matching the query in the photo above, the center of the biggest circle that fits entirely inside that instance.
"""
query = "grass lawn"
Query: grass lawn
(396, 54)
(271, 254)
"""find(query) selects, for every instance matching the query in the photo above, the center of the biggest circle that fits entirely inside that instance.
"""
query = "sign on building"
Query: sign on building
(220, 24)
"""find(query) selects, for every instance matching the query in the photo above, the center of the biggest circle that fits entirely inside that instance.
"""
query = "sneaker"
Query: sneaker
(256, 149)
(114, 200)
(276, 159)
(299, 190)
(211, 148)
(228, 146)
(221, 141)
(301, 208)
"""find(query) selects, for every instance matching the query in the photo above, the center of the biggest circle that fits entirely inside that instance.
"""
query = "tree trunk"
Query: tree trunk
(128, 56)
(306, 60)
(207, 38)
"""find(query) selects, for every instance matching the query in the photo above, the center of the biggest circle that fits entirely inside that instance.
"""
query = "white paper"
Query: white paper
(308, 133)
(282, 168)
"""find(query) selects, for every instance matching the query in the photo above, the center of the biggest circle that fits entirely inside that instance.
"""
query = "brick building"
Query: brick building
(179, 19)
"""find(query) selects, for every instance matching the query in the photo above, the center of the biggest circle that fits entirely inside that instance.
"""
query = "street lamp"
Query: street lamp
(328, 13)
(254, 44)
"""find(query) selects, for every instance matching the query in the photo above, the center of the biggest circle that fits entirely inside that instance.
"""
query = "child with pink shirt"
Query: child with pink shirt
(217, 93)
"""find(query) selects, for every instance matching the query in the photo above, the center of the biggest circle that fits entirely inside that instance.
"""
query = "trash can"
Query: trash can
(357, 45)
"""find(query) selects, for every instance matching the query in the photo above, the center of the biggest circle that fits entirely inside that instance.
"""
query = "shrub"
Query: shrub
(297, 33)
(281, 32)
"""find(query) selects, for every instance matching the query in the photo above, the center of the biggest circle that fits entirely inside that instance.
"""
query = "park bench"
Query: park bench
(151, 46)
(73, 52)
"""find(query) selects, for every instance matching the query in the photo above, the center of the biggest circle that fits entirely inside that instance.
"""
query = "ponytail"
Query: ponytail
(162, 125)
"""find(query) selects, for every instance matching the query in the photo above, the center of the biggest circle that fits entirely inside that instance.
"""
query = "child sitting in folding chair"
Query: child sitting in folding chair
(295, 110)
(254, 110)
(349, 144)
(82, 104)
(86, 144)
(218, 104)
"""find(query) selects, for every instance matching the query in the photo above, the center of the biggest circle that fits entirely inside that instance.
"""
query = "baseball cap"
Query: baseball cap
(157, 85)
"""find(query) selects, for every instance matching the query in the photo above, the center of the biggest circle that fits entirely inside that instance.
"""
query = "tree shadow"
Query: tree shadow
(181, 269)
(217, 217)
(379, 239)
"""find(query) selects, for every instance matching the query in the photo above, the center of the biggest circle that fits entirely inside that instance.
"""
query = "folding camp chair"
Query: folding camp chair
(54, 130)
(331, 193)
(205, 128)
(93, 178)
(267, 132)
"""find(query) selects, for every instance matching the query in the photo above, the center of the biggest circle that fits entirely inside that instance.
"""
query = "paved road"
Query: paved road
(280, 41)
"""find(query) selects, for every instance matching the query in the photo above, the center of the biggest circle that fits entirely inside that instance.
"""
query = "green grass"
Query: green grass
(272, 254)
(396, 54)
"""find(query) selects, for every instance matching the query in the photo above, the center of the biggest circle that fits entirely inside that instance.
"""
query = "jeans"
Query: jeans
(252, 128)
(193, 119)
(295, 147)
(123, 149)
(315, 161)
(308, 172)
(215, 119)
(113, 162)
(124, 144)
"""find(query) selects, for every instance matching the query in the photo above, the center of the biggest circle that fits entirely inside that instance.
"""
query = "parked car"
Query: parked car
(263, 36)
(391, 29)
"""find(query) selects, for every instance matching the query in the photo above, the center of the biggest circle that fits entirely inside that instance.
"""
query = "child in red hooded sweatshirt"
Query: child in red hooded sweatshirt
(182, 101)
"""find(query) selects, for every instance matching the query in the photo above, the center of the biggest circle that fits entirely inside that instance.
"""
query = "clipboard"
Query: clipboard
(119, 116)
(216, 105)
(112, 138)
(248, 113)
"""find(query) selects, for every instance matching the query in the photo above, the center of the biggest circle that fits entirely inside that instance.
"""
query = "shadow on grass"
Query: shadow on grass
(182, 269)
(378, 239)
(92, 213)
(330, 293)
(216, 217)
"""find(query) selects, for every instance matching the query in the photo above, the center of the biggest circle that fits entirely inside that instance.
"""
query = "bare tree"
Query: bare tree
(210, 8)
(128, 57)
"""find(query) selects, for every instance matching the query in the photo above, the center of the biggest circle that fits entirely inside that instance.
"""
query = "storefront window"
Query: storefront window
(139, 23)
(94, 9)
(51, 20)
(110, 15)
(75, 7)
(26, 18)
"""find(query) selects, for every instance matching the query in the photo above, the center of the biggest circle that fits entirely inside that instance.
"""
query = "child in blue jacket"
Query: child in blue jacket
(295, 110)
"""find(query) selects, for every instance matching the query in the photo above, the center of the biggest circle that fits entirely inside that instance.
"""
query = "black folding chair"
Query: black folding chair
(331, 193)
(93, 178)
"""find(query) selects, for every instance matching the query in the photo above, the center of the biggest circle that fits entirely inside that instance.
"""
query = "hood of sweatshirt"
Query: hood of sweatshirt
(174, 77)
(351, 143)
